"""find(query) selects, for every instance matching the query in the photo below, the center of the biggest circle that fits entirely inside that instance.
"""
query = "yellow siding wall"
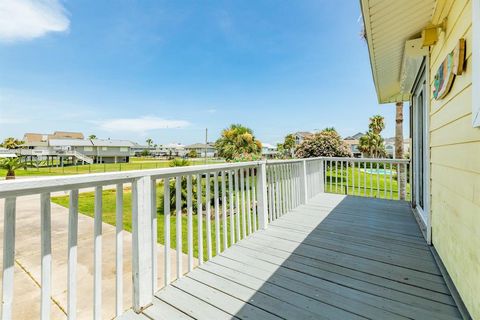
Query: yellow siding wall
(455, 162)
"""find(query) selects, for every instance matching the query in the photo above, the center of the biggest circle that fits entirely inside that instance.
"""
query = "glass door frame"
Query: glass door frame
(421, 198)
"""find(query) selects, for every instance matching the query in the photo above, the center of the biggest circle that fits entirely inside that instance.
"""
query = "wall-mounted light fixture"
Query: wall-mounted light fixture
(431, 32)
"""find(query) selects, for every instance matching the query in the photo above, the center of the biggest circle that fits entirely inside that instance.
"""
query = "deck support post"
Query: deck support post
(262, 209)
(142, 243)
(303, 184)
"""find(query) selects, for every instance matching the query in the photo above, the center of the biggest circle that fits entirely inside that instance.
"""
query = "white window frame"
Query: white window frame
(123, 149)
(476, 64)
(87, 148)
(104, 148)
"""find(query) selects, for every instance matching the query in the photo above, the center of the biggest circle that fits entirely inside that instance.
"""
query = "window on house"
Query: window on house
(87, 148)
(104, 148)
(123, 149)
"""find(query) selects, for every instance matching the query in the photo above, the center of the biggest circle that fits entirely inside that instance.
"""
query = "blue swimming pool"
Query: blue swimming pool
(378, 171)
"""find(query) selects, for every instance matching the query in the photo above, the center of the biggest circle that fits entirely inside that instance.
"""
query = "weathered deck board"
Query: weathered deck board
(336, 258)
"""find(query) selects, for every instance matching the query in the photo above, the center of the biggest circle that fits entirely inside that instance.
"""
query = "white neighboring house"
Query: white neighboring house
(72, 147)
(268, 150)
(202, 148)
(301, 135)
(390, 147)
(174, 150)
(6, 153)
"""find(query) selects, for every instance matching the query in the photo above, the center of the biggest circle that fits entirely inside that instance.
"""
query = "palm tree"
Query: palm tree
(92, 137)
(11, 143)
(372, 143)
(149, 142)
(12, 164)
(377, 124)
(399, 148)
(329, 129)
(237, 143)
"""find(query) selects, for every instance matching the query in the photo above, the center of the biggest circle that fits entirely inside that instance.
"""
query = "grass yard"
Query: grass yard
(86, 206)
(361, 183)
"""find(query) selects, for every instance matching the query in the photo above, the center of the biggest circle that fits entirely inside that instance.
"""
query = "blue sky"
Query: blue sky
(169, 69)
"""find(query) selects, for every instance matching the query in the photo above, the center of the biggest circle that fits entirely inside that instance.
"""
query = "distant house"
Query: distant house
(268, 150)
(352, 142)
(390, 147)
(7, 153)
(174, 150)
(33, 140)
(301, 135)
(71, 146)
(202, 148)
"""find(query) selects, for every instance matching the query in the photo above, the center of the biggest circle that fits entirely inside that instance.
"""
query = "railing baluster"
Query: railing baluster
(199, 219)
(270, 194)
(371, 179)
(277, 189)
(189, 223)
(365, 179)
(248, 212)
(46, 239)
(254, 199)
(284, 191)
(208, 216)
(72, 256)
(289, 187)
(385, 180)
(378, 181)
(237, 206)
(391, 184)
(353, 177)
(341, 176)
(97, 259)
(243, 212)
(178, 224)
(118, 246)
(398, 180)
(166, 225)
(231, 207)
(216, 213)
(8, 256)
(224, 211)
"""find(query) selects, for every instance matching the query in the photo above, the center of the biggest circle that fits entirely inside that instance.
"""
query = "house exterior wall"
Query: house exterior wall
(455, 162)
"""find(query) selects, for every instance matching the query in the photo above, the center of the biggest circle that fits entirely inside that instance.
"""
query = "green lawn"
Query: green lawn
(360, 183)
(86, 206)
(134, 164)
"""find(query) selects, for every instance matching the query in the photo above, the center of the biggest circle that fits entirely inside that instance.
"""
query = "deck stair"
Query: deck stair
(80, 156)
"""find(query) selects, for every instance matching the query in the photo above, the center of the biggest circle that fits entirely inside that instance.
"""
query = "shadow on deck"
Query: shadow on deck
(339, 257)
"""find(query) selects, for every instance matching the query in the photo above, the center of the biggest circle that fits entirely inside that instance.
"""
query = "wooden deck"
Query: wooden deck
(336, 258)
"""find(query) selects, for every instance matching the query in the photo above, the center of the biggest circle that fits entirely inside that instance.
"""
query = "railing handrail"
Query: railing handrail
(60, 183)
(374, 160)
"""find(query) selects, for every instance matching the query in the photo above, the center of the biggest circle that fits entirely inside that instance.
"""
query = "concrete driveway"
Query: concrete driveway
(28, 269)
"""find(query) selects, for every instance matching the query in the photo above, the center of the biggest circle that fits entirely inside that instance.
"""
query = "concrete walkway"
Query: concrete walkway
(28, 268)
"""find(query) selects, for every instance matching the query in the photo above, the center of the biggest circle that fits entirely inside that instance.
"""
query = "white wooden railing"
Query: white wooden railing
(232, 200)
(375, 178)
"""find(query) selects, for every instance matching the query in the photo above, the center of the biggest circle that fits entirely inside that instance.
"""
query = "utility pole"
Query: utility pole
(206, 141)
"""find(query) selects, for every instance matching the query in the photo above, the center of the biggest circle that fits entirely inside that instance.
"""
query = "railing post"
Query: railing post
(303, 179)
(142, 243)
(321, 176)
(262, 210)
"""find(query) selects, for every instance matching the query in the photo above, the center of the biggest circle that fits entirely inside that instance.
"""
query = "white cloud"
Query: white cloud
(211, 110)
(140, 125)
(29, 19)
